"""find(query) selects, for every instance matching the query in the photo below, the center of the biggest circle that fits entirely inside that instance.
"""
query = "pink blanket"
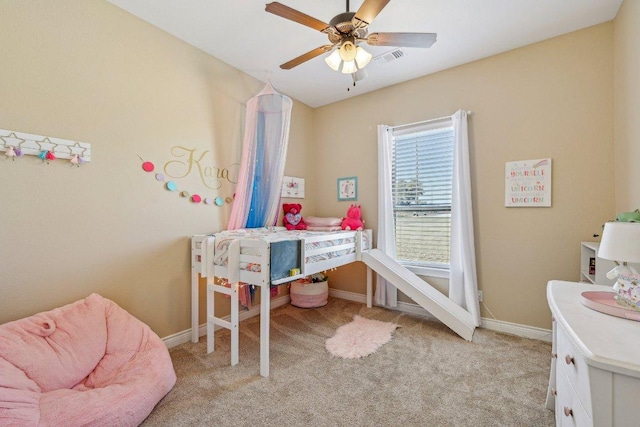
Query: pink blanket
(87, 363)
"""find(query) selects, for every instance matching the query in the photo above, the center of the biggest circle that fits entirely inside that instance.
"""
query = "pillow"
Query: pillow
(322, 222)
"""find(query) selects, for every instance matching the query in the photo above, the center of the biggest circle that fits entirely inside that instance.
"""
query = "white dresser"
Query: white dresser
(595, 365)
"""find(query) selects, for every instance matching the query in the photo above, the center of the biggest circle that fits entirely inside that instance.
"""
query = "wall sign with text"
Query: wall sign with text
(189, 162)
(528, 183)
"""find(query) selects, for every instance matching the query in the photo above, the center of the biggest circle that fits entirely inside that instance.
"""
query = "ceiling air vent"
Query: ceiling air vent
(392, 55)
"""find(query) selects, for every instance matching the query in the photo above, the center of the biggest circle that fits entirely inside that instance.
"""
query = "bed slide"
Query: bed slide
(432, 300)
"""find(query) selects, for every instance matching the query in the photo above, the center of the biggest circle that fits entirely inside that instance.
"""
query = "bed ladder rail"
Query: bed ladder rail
(233, 323)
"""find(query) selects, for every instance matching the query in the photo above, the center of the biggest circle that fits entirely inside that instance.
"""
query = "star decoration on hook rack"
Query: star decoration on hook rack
(11, 140)
(77, 149)
(46, 144)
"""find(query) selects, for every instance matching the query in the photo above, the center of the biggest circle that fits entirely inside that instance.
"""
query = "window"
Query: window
(422, 168)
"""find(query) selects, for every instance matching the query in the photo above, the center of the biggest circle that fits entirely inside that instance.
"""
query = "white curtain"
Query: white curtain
(264, 155)
(463, 282)
(386, 294)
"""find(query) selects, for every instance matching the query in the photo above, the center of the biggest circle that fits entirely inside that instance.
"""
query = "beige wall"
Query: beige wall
(551, 99)
(627, 106)
(88, 71)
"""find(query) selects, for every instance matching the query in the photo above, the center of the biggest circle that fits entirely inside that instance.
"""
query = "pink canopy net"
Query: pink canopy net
(264, 154)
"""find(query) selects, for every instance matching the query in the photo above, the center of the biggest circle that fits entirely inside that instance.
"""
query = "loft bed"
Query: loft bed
(263, 257)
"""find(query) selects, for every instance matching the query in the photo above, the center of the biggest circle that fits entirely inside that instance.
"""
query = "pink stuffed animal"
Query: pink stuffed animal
(292, 218)
(353, 221)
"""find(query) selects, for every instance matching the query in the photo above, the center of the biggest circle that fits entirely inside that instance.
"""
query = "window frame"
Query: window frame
(426, 268)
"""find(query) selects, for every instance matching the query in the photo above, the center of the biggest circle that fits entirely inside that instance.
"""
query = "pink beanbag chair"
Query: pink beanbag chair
(88, 363)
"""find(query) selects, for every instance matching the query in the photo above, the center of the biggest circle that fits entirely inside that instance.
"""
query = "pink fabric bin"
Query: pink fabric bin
(309, 295)
(89, 363)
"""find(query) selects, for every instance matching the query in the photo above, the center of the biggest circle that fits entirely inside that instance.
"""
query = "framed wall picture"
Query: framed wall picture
(528, 183)
(293, 187)
(348, 188)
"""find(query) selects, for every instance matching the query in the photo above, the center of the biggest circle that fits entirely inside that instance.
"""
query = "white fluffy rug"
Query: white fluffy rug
(360, 338)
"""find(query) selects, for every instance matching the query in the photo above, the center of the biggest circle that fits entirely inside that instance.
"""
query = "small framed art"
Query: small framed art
(348, 188)
(293, 187)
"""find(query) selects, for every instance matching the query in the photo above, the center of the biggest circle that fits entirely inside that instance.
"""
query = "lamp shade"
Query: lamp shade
(334, 60)
(620, 242)
(349, 67)
(362, 57)
(360, 74)
(347, 51)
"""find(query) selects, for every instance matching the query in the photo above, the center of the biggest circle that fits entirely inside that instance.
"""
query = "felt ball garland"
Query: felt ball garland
(173, 187)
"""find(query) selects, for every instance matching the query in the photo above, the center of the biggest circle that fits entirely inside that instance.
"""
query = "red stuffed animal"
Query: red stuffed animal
(292, 218)
(353, 221)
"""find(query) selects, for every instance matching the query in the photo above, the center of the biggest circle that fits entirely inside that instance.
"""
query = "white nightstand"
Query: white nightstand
(595, 365)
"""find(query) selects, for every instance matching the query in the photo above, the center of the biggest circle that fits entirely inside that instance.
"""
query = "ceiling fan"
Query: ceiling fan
(346, 31)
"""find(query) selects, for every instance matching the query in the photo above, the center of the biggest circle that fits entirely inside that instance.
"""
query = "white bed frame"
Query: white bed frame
(202, 256)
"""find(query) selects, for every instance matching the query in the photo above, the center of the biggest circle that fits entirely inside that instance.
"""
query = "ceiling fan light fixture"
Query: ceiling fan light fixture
(334, 60)
(345, 32)
(349, 58)
(362, 57)
(349, 67)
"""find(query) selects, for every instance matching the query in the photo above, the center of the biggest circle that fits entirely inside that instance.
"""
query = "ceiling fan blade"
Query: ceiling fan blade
(295, 16)
(367, 12)
(306, 56)
(402, 39)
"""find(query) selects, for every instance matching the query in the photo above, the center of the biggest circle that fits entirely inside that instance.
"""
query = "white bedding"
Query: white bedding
(275, 234)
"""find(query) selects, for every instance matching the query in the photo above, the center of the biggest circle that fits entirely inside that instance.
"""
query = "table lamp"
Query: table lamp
(621, 243)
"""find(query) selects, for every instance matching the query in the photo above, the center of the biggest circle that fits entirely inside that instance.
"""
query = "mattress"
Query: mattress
(278, 234)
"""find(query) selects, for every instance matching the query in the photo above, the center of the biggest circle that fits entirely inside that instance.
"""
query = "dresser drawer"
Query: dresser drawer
(573, 365)
(569, 410)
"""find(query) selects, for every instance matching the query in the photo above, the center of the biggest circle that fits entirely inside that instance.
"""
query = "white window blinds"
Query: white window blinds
(422, 167)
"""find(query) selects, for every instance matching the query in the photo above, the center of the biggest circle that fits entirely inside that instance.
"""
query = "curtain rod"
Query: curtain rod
(426, 121)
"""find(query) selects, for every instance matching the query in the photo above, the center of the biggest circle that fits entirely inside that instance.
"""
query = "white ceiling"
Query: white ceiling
(242, 34)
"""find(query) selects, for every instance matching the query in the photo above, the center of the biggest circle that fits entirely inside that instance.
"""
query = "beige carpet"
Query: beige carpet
(425, 376)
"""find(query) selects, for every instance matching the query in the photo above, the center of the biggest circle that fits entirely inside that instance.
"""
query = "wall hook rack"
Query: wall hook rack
(15, 143)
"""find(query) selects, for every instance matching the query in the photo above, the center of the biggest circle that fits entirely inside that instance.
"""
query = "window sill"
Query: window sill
(420, 270)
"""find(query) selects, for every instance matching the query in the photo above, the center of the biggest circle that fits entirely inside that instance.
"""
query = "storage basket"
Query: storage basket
(308, 295)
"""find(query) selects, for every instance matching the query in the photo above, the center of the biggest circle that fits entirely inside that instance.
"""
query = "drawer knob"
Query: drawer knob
(554, 355)
(554, 391)
(568, 412)
(568, 359)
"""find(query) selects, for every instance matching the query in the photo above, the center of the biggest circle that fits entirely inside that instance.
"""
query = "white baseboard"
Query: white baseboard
(402, 306)
(491, 324)
(349, 296)
(405, 307)
(517, 329)
(185, 336)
